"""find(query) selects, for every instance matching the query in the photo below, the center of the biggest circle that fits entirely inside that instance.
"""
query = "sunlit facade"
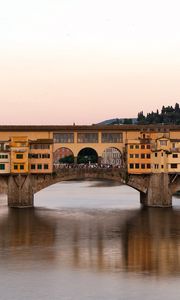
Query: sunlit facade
(146, 155)
(41, 156)
(140, 149)
(19, 147)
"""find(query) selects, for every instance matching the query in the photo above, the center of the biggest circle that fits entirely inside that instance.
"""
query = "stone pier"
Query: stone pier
(20, 191)
(158, 192)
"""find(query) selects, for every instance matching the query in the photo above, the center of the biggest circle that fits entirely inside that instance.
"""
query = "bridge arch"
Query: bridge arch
(87, 155)
(63, 155)
(87, 172)
(112, 156)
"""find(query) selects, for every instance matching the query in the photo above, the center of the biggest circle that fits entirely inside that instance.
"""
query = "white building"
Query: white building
(4, 157)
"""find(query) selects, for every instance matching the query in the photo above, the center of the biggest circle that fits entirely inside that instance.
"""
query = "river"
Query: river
(89, 240)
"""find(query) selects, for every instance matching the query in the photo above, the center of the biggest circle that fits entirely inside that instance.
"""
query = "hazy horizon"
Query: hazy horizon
(85, 61)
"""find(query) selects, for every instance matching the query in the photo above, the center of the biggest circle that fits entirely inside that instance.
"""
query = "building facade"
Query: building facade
(141, 149)
(19, 147)
(4, 157)
(148, 155)
(41, 156)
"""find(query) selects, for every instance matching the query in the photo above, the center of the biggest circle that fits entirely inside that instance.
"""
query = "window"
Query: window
(40, 146)
(148, 155)
(137, 146)
(3, 156)
(173, 166)
(162, 166)
(15, 167)
(131, 155)
(39, 166)
(131, 146)
(33, 167)
(142, 146)
(46, 166)
(137, 166)
(111, 137)
(39, 155)
(131, 166)
(64, 137)
(148, 146)
(136, 155)
(2, 166)
(162, 154)
(46, 155)
(175, 155)
(155, 154)
(33, 155)
(148, 166)
(163, 142)
(87, 137)
(21, 167)
(156, 166)
(142, 155)
(19, 156)
(142, 166)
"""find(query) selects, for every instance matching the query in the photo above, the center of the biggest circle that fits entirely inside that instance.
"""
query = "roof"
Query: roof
(174, 140)
(41, 141)
(58, 128)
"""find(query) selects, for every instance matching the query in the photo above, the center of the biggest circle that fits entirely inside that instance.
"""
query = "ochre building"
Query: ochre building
(141, 149)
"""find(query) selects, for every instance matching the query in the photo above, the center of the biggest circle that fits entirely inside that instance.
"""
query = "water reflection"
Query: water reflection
(25, 235)
(152, 242)
(145, 241)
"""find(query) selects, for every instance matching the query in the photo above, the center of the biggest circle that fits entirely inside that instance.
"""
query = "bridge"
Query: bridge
(155, 190)
(144, 157)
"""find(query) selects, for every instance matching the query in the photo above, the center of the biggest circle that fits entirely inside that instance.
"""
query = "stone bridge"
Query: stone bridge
(155, 189)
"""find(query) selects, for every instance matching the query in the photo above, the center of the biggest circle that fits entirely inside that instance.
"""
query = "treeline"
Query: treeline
(167, 115)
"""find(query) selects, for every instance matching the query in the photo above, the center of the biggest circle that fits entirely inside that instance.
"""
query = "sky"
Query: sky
(84, 61)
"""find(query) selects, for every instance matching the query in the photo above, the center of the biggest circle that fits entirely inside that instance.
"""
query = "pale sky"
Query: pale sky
(83, 61)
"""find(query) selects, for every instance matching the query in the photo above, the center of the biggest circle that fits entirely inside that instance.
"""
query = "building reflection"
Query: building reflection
(147, 241)
(25, 234)
(143, 241)
(151, 242)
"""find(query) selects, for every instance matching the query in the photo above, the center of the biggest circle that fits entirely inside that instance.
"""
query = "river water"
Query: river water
(89, 240)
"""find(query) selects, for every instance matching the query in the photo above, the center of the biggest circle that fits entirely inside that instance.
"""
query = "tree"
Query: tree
(176, 108)
(127, 121)
(141, 117)
(168, 115)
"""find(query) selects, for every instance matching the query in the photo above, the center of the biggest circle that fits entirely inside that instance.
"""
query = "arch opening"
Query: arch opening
(63, 155)
(87, 155)
(112, 156)
(88, 193)
(176, 198)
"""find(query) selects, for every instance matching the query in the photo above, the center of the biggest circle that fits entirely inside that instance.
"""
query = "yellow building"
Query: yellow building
(147, 148)
(139, 155)
(158, 155)
(41, 156)
(174, 156)
(166, 156)
(19, 148)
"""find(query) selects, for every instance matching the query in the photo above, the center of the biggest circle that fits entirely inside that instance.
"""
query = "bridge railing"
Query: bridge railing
(86, 167)
(93, 170)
